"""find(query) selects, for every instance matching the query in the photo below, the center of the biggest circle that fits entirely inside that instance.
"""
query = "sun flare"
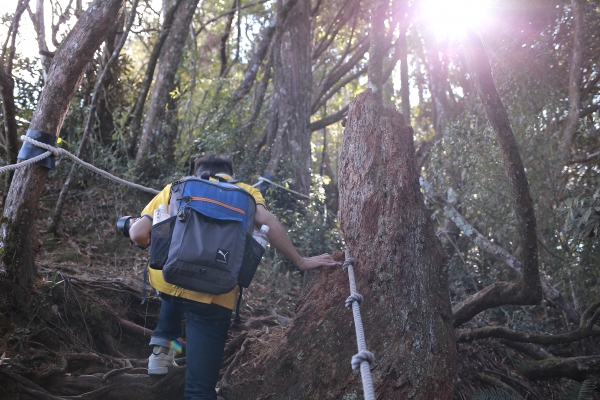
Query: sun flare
(449, 18)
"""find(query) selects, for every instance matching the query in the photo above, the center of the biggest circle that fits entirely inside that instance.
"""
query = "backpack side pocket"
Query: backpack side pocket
(253, 253)
(161, 235)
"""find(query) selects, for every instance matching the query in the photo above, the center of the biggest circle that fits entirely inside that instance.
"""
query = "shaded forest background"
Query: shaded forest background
(269, 83)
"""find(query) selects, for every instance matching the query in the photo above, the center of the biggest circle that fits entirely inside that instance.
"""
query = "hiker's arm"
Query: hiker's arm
(139, 231)
(279, 238)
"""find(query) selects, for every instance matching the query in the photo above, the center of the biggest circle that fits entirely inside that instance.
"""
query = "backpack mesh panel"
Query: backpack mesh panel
(161, 241)
(253, 253)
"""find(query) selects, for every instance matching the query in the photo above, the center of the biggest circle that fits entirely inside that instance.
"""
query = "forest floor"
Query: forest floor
(82, 332)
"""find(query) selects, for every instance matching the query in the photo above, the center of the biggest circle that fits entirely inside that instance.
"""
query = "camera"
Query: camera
(124, 223)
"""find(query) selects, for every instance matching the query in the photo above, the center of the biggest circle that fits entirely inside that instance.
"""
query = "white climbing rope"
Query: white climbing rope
(56, 151)
(261, 179)
(363, 358)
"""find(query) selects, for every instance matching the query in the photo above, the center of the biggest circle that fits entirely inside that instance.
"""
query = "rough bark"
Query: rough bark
(529, 289)
(388, 231)
(170, 57)
(292, 98)
(18, 228)
(399, 271)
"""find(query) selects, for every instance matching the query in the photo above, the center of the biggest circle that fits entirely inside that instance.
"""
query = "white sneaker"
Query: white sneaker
(158, 364)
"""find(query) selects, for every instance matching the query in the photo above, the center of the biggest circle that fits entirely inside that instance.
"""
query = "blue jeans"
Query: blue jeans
(206, 332)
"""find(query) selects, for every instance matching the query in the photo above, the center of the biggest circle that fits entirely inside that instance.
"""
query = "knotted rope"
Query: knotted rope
(56, 151)
(363, 358)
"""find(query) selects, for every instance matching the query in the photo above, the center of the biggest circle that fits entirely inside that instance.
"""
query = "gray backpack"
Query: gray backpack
(206, 245)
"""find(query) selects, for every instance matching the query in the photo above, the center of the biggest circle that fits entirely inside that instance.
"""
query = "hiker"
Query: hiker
(208, 316)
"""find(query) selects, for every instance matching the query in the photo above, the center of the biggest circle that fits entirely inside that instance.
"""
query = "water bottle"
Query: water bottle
(261, 236)
(160, 214)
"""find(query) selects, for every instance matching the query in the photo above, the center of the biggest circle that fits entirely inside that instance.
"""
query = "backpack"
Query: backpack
(206, 244)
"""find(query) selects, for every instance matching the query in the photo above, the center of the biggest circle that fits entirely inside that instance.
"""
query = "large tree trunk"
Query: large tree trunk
(292, 98)
(18, 229)
(400, 260)
(170, 57)
(399, 271)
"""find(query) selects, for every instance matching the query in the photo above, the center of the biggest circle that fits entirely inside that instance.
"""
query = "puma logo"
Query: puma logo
(222, 256)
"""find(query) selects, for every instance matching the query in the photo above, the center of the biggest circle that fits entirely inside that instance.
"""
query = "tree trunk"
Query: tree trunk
(292, 98)
(400, 260)
(134, 119)
(18, 228)
(399, 271)
(170, 57)
(103, 77)
(7, 87)
(377, 49)
(404, 85)
(104, 110)
(575, 75)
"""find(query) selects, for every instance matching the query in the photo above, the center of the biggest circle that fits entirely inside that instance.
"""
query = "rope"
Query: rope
(363, 358)
(261, 179)
(56, 151)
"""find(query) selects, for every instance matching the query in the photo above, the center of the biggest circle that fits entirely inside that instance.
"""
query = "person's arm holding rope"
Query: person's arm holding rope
(279, 238)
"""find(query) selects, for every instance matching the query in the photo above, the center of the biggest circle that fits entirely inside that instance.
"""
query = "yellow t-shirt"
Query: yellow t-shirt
(156, 279)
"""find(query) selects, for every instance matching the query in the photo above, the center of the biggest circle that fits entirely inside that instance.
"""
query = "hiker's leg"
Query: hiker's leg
(206, 333)
(169, 326)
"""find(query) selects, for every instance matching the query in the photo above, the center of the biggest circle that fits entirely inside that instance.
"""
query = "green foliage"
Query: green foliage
(308, 226)
(582, 215)
(494, 394)
(580, 391)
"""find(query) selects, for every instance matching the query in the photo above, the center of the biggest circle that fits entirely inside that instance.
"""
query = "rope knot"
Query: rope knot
(360, 357)
(349, 261)
(352, 298)
(55, 151)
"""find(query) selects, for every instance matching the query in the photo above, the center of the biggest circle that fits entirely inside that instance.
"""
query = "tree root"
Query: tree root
(498, 383)
(576, 368)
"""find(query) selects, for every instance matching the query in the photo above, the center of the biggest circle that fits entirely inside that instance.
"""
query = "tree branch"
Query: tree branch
(330, 119)
(550, 293)
(529, 289)
(586, 329)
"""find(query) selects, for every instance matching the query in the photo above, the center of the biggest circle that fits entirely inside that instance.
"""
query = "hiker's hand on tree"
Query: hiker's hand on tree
(324, 260)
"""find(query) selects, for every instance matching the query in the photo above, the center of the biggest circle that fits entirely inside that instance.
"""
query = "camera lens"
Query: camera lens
(123, 225)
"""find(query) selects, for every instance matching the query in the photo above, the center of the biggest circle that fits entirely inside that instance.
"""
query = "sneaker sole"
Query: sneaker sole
(158, 371)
